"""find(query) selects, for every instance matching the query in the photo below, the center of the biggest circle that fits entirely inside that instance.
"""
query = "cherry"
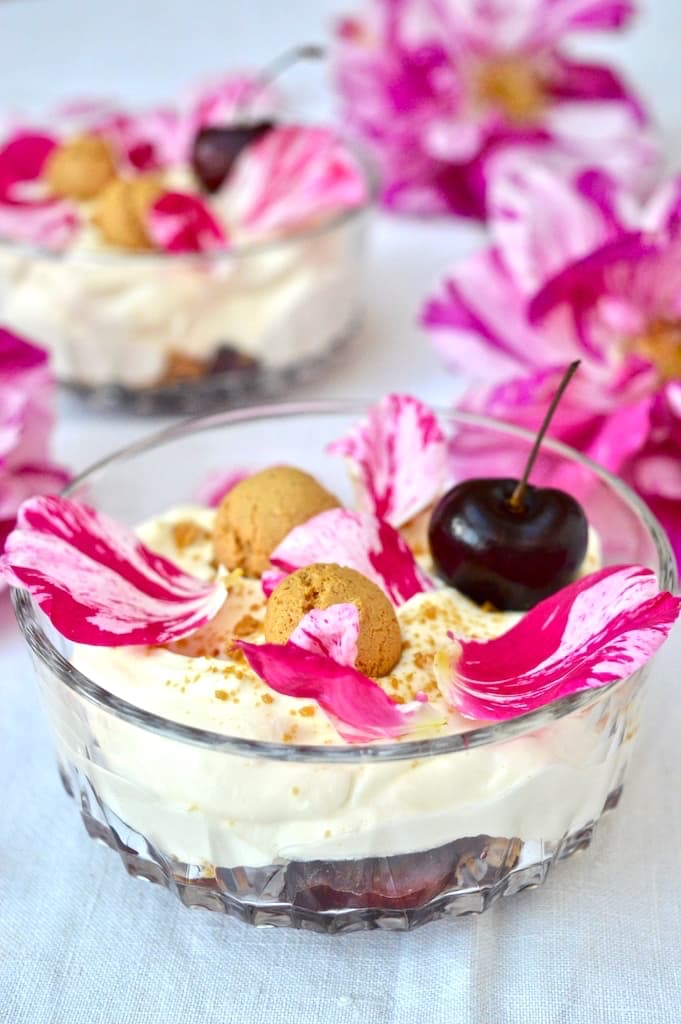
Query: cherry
(216, 148)
(507, 542)
(512, 558)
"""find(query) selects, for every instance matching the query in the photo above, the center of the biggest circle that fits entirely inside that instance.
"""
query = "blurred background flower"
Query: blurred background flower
(577, 269)
(26, 419)
(436, 88)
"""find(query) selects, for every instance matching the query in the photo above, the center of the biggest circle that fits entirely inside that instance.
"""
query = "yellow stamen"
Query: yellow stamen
(512, 85)
(661, 344)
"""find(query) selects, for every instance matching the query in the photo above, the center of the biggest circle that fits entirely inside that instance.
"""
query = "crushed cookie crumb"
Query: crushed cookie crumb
(222, 695)
(236, 654)
(423, 660)
(246, 626)
(307, 711)
(186, 532)
(267, 698)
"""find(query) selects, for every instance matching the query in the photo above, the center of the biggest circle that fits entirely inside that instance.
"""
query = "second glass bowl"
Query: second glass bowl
(348, 837)
(168, 333)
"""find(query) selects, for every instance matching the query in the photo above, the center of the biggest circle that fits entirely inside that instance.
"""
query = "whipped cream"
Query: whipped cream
(207, 807)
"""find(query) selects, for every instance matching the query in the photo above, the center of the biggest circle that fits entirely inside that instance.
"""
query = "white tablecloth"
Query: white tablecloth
(80, 942)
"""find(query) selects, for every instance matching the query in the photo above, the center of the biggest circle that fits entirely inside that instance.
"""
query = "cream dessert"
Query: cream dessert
(283, 708)
(274, 811)
(140, 270)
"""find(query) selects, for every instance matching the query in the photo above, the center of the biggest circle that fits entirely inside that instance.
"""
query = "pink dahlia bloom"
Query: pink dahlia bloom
(577, 270)
(437, 88)
(26, 393)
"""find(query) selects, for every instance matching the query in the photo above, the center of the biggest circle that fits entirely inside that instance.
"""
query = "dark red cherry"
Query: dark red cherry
(216, 148)
(512, 557)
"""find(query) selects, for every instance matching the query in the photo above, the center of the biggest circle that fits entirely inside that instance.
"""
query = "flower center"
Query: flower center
(661, 344)
(512, 85)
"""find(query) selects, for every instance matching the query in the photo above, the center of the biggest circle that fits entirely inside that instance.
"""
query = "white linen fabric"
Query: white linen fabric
(80, 942)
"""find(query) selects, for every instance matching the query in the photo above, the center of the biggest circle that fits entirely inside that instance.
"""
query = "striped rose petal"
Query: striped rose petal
(180, 222)
(355, 540)
(594, 631)
(397, 457)
(27, 213)
(359, 709)
(292, 175)
(332, 632)
(97, 583)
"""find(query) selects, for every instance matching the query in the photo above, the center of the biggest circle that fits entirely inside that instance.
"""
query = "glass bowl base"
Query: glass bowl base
(396, 893)
(214, 390)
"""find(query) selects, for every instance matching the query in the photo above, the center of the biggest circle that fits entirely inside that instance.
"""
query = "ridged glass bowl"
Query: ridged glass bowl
(174, 333)
(337, 838)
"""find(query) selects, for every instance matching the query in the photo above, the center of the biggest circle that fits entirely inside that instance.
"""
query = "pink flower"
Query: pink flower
(26, 394)
(597, 630)
(397, 458)
(292, 176)
(437, 90)
(150, 140)
(96, 581)
(317, 663)
(577, 270)
(356, 540)
(180, 222)
(27, 213)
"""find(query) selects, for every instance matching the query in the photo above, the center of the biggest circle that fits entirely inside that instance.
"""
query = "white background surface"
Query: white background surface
(80, 943)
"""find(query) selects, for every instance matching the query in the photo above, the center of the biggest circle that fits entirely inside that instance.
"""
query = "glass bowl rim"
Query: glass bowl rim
(116, 256)
(43, 649)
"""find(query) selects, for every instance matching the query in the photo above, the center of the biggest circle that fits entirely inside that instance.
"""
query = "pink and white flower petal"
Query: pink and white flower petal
(291, 176)
(397, 458)
(527, 24)
(595, 631)
(359, 709)
(479, 314)
(610, 134)
(97, 583)
(180, 222)
(22, 159)
(26, 419)
(357, 541)
(151, 140)
(558, 17)
(540, 221)
(50, 224)
(332, 632)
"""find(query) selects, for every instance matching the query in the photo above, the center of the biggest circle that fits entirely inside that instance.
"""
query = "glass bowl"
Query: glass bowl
(336, 838)
(168, 333)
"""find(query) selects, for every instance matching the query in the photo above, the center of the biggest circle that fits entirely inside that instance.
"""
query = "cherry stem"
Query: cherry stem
(280, 64)
(287, 59)
(516, 499)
